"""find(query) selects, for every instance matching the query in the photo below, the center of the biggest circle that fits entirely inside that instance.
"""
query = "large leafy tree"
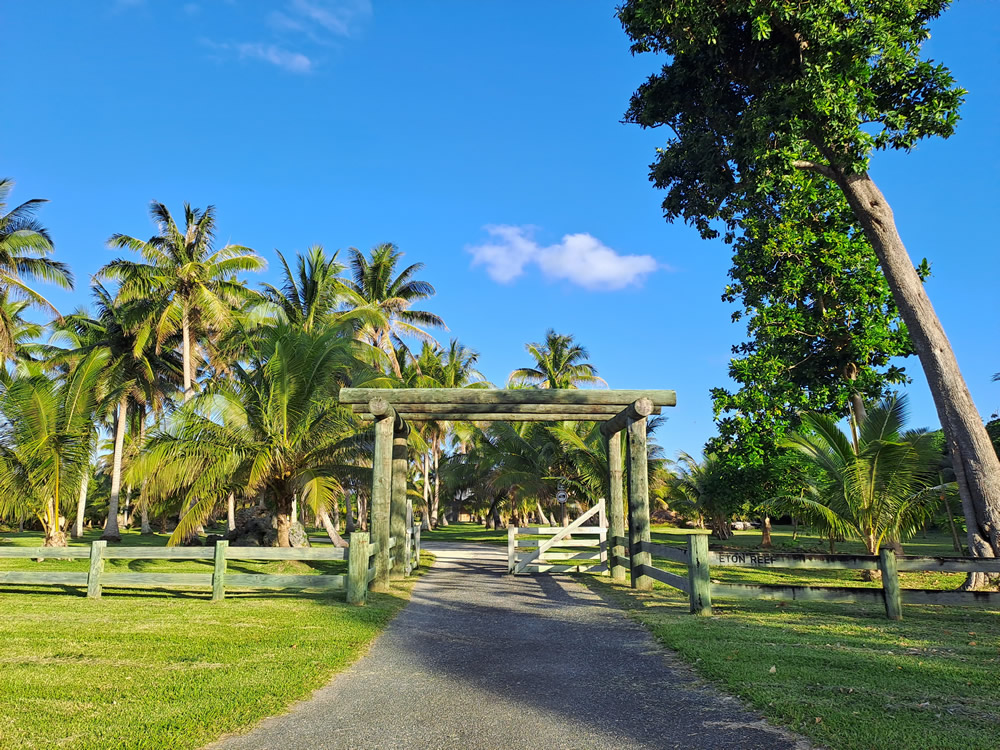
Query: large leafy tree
(391, 294)
(873, 486)
(45, 438)
(24, 245)
(273, 429)
(756, 90)
(183, 284)
(559, 363)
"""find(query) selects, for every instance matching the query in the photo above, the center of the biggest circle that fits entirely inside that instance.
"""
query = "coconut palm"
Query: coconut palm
(273, 429)
(137, 377)
(24, 243)
(700, 488)
(377, 285)
(45, 438)
(877, 489)
(559, 363)
(183, 284)
(19, 335)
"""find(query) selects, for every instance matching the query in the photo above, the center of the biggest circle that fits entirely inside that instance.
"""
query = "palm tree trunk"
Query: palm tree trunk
(54, 535)
(231, 511)
(425, 523)
(349, 523)
(284, 519)
(951, 523)
(111, 531)
(331, 530)
(81, 504)
(144, 528)
(439, 519)
(543, 520)
(186, 353)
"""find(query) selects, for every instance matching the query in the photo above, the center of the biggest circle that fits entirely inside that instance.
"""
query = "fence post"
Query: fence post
(616, 514)
(638, 504)
(408, 551)
(890, 584)
(357, 568)
(699, 575)
(96, 569)
(219, 571)
(511, 549)
(416, 546)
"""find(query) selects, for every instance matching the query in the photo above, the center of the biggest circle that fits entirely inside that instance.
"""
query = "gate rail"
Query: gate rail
(536, 555)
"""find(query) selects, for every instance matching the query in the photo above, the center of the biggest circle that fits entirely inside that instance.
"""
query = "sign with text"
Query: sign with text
(744, 559)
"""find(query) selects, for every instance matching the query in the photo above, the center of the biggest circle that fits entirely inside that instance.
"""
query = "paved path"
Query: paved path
(479, 660)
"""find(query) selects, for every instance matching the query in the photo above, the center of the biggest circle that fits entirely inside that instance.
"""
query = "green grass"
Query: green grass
(166, 669)
(464, 532)
(844, 675)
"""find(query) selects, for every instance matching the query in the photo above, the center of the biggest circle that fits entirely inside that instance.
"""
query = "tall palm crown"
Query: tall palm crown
(559, 363)
(17, 335)
(377, 284)
(185, 285)
(311, 293)
(874, 488)
(24, 243)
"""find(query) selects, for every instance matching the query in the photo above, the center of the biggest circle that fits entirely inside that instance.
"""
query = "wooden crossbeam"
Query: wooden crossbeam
(599, 411)
(399, 396)
(508, 416)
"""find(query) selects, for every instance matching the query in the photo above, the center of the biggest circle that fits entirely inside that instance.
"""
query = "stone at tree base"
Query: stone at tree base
(257, 527)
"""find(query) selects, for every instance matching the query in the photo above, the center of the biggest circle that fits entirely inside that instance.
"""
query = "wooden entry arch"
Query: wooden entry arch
(621, 411)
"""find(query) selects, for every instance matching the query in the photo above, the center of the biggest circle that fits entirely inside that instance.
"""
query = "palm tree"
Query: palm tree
(377, 285)
(24, 243)
(136, 376)
(273, 429)
(45, 442)
(700, 487)
(559, 363)
(18, 336)
(875, 489)
(183, 284)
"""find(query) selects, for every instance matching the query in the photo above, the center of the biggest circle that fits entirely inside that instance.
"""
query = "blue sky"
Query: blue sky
(483, 138)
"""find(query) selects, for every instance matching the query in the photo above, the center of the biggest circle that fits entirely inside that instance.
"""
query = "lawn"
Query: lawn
(842, 675)
(166, 669)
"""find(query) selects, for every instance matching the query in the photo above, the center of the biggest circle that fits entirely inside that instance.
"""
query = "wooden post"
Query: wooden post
(382, 499)
(699, 575)
(96, 569)
(890, 584)
(511, 549)
(416, 545)
(397, 516)
(219, 571)
(616, 509)
(603, 545)
(638, 502)
(357, 568)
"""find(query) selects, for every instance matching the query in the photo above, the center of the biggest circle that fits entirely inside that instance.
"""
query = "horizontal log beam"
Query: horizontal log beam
(598, 411)
(399, 396)
(663, 576)
(638, 409)
(797, 593)
(509, 416)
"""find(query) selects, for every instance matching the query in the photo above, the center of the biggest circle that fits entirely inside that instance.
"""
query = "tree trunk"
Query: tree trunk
(765, 532)
(54, 535)
(425, 523)
(349, 524)
(81, 504)
(977, 468)
(231, 511)
(331, 530)
(436, 453)
(144, 528)
(284, 519)
(543, 520)
(186, 353)
(111, 532)
(951, 524)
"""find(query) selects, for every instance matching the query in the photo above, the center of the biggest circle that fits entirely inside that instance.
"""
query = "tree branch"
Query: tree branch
(823, 169)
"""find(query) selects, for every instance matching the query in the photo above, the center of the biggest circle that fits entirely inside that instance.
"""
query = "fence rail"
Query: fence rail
(535, 555)
(359, 554)
(700, 588)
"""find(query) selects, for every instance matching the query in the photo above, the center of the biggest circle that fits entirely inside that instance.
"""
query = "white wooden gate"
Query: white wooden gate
(550, 548)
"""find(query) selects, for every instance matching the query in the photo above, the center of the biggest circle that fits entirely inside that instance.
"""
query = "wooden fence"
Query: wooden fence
(534, 555)
(700, 589)
(359, 556)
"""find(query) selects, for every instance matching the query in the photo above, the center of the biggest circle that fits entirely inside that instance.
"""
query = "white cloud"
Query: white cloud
(295, 62)
(319, 18)
(579, 258)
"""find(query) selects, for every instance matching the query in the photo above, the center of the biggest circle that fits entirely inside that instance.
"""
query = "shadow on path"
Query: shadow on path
(481, 660)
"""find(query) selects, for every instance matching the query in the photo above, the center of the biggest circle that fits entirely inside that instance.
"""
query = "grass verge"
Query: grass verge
(167, 669)
(843, 675)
